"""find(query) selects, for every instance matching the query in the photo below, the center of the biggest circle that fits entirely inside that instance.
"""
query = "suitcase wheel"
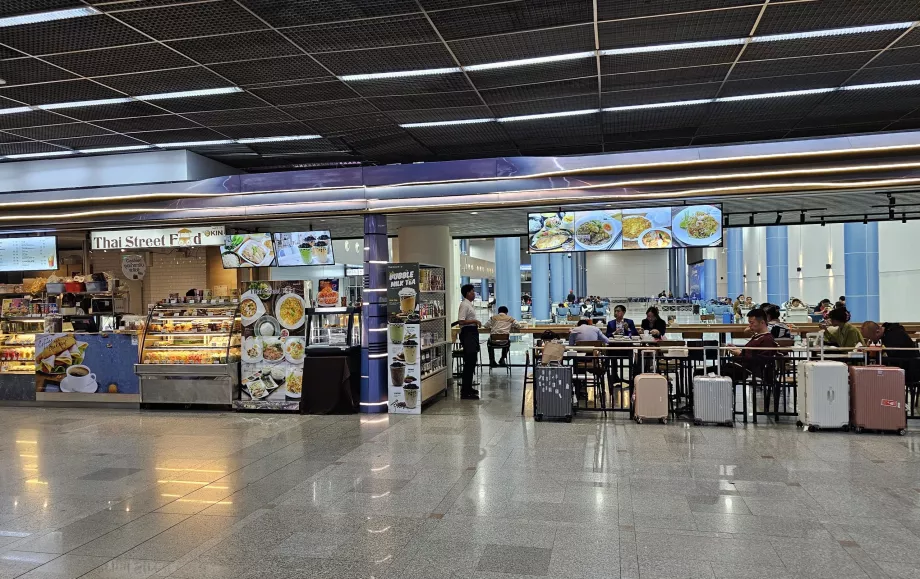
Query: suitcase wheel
(798, 423)
(538, 417)
(858, 429)
(697, 422)
(730, 424)
(568, 418)
(902, 432)
(845, 428)
(638, 420)
(813, 428)
(663, 420)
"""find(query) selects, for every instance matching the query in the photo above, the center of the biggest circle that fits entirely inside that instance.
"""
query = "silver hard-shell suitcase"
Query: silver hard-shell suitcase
(824, 393)
(552, 392)
(713, 397)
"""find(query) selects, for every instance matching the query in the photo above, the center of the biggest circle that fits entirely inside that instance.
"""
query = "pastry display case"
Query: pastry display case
(190, 354)
(17, 344)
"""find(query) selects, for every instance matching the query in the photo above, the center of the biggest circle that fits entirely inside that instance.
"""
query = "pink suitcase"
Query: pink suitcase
(878, 399)
(650, 394)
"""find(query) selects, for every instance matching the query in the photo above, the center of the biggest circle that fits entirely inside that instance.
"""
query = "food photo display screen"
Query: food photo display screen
(619, 229)
(247, 250)
(304, 248)
(28, 254)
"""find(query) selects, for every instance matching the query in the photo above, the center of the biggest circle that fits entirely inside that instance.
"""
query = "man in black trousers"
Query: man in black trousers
(469, 339)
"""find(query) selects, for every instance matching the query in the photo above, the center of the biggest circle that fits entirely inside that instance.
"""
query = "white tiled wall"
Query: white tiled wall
(167, 273)
(899, 271)
(812, 247)
(627, 273)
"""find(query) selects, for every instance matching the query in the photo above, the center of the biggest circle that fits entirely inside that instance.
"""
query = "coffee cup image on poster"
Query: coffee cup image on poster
(273, 344)
(404, 368)
(304, 248)
(85, 363)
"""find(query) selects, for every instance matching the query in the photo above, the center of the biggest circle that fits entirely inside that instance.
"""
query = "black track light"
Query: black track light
(822, 221)
(751, 219)
(904, 218)
(779, 217)
(802, 217)
(865, 220)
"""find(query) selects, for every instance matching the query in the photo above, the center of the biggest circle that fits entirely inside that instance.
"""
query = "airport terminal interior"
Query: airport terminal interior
(474, 289)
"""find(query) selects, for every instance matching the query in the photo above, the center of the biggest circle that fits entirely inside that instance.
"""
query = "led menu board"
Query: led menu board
(618, 229)
(28, 254)
(247, 250)
(304, 248)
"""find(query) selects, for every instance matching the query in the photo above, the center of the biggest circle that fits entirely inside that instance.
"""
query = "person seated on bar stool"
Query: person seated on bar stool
(846, 336)
(748, 360)
(500, 327)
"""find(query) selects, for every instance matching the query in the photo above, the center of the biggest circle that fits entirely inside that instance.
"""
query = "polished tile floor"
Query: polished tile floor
(468, 490)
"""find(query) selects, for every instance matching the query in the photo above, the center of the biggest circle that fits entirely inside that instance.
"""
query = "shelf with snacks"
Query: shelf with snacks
(433, 359)
(193, 359)
(17, 344)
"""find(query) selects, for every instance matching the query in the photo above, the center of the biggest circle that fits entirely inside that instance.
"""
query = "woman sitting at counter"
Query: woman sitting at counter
(654, 324)
(846, 336)
(620, 325)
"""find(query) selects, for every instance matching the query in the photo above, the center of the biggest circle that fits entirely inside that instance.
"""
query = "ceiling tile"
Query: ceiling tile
(190, 20)
(175, 80)
(664, 78)
(240, 117)
(372, 33)
(897, 56)
(806, 65)
(115, 111)
(271, 70)
(546, 90)
(17, 7)
(330, 109)
(30, 70)
(540, 107)
(149, 123)
(59, 92)
(305, 93)
(617, 9)
(27, 148)
(288, 13)
(439, 83)
(97, 142)
(179, 136)
(285, 129)
(687, 92)
(417, 57)
(59, 131)
(440, 114)
(125, 59)
(515, 16)
(240, 100)
(234, 47)
(645, 61)
(69, 35)
(678, 28)
(535, 73)
(426, 101)
(820, 45)
(781, 18)
(520, 45)
(784, 83)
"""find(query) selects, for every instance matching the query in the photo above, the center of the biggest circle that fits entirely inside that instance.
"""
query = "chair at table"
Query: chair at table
(575, 311)
(561, 312)
(499, 342)
(588, 372)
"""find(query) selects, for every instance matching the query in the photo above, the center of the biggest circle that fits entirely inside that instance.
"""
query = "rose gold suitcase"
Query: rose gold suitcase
(877, 399)
(650, 393)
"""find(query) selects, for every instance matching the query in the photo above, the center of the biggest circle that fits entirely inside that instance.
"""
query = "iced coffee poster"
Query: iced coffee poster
(404, 364)
(274, 343)
(85, 363)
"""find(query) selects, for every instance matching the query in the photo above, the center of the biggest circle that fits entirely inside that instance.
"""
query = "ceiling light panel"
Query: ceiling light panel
(48, 16)
(530, 61)
(446, 123)
(673, 46)
(399, 74)
(833, 32)
(279, 139)
(196, 143)
(38, 155)
(190, 93)
(548, 115)
(115, 149)
(78, 104)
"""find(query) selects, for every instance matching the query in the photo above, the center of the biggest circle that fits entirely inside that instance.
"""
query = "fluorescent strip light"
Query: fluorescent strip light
(771, 95)
(833, 32)
(657, 105)
(115, 149)
(548, 115)
(529, 61)
(196, 143)
(78, 104)
(36, 155)
(190, 93)
(400, 74)
(48, 16)
(15, 110)
(675, 46)
(280, 139)
(881, 85)
(446, 123)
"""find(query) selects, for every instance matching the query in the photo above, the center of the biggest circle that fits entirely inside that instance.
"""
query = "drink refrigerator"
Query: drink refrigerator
(332, 332)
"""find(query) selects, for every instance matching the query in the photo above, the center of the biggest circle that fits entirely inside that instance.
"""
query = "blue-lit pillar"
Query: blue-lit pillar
(556, 278)
(508, 274)
(581, 274)
(710, 289)
(734, 244)
(465, 250)
(860, 270)
(485, 293)
(568, 280)
(374, 393)
(777, 264)
(539, 285)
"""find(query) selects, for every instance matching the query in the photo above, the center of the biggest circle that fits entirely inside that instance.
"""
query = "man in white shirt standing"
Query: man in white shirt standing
(469, 340)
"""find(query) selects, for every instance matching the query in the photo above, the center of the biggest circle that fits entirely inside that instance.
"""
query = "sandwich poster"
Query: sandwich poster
(403, 330)
(85, 363)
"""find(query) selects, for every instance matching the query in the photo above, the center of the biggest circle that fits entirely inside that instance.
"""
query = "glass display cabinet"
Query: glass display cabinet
(333, 327)
(191, 354)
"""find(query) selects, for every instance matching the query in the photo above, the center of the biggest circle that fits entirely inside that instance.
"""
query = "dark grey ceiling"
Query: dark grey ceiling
(287, 55)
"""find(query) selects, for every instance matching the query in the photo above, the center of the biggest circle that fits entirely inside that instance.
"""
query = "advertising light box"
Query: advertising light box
(619, 229)
(28, 254)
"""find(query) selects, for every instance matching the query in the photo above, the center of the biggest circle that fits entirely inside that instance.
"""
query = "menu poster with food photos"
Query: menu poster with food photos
(273, 345)
(404, 366)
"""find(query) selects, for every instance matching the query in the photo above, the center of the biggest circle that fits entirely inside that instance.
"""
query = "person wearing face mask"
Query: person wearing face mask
(620, 325)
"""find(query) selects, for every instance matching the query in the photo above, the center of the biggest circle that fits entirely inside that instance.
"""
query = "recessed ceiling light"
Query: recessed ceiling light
(77, 104)
(115, 149)
(833, 32)
(37, 155)
(474, 213)
(399, 74)
(13, 110)
(446, 123)
(770, 95)
(279, 139)
(674, 46)
(190, 93)
(547, 115)
(530, 61)
(197, 143)
(881, 85)
(48, 16)
(658, 105)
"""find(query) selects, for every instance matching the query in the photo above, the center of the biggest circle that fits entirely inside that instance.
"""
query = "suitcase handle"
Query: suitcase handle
(642, 354)
(718, 359)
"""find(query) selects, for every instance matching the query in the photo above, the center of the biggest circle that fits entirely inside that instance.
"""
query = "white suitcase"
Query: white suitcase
(824, 395)
(713, 397)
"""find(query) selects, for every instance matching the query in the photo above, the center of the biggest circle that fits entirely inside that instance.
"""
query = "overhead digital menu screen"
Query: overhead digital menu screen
(616, 229)
(28, 254)
(247, 250)
(304, 248)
